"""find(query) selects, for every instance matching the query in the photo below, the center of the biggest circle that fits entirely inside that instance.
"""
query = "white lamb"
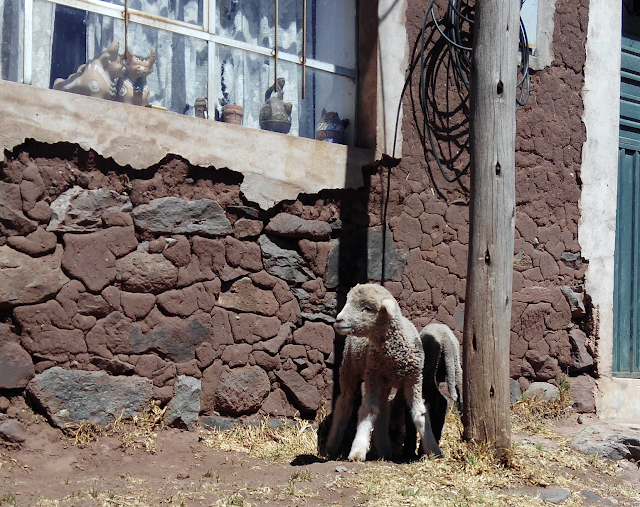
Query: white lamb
(393, 357)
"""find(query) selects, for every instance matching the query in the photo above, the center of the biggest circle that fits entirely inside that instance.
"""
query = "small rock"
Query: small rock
(13, 431)
(283, 262)
(582, 391)
(613, 441)
(554, 495)
(543, 391)
(25, 280)
(218, 423)
(78, 396)
(341, 469)
(113, 365)
(292, 226)
(595, 498)
(575, 300)
(171, 215)
(4, 404)
(16, 366)
(514, 390)
(582, 360)
(305, 396)
(241, 390)
(78, 210)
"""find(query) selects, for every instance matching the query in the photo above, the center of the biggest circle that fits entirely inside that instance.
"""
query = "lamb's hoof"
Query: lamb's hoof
(331, 452)
(357, 455)
(408, 456)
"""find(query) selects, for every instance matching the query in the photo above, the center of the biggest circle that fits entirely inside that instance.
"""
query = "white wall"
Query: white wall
(617, 398)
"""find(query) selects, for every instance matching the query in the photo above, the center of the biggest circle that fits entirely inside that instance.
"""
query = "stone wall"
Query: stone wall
(170, 272)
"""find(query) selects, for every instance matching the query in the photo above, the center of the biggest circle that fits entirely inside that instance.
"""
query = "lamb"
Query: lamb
(442, 364)
(390, 348)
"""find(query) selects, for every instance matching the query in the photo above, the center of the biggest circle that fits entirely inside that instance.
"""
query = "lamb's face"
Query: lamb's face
(367, 311)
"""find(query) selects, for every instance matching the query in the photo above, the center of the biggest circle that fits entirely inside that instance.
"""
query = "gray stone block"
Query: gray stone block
(75, 396)
(171, 215)
(185, 405)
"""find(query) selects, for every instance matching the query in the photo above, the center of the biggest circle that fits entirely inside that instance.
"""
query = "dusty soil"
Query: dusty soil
(47, 470)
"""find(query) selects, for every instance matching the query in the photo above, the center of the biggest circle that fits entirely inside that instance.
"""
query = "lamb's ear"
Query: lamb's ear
(389, 306)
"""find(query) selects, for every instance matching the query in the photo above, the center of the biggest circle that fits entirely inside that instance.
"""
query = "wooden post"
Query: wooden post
(492, 216)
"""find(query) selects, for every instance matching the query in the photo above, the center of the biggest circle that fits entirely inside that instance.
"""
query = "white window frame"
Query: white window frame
(205, 32)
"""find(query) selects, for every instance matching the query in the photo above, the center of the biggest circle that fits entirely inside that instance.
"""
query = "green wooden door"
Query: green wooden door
(626, 298)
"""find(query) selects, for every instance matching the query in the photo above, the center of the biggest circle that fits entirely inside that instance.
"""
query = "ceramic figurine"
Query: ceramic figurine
(331, 129)
(133, 87)
(200, 106)
(275, 113)
(97, 78)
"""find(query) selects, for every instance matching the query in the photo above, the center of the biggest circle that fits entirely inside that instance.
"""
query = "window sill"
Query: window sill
(275, 167)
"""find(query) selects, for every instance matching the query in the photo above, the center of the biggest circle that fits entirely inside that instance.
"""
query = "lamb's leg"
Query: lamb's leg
(409, 446)
(367, 416)
(381, 439)
(413, 394)
(341, 415)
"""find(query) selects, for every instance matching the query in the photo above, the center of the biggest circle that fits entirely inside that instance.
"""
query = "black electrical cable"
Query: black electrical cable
(453, 29)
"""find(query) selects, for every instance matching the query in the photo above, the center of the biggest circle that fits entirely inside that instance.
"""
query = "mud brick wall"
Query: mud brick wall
(552, 329)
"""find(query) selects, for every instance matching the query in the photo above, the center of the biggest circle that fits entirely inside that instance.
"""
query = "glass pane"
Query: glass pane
(11, 38)
(241, 78)
(290, 26)
(246, 79)
(164, 68)
(529, 17)
(248, 21)
(331, 31)
(179, 73)
(189, 11)
(337, 96)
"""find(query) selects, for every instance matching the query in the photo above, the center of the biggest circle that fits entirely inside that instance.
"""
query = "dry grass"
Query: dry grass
(284, 442)
(137, 432)
(531, 414)
(469, 474)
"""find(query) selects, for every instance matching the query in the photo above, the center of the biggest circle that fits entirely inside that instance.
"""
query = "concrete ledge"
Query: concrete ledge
(276, 167)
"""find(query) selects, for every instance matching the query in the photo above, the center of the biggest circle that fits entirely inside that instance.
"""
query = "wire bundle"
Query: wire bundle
(442, 55)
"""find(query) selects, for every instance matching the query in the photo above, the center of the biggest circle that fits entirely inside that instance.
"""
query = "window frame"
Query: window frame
(204, 32)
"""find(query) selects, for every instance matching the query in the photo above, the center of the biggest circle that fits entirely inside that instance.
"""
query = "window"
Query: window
(213, 52)
(537, 17)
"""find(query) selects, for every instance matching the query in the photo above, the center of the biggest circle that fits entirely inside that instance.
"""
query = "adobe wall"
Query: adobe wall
(552, 331)
(169, 271)
(165, 273)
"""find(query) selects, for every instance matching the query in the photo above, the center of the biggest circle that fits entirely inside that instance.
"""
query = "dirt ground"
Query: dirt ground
(47, 470)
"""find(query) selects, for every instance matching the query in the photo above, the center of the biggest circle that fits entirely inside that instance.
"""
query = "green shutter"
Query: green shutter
(626, 297)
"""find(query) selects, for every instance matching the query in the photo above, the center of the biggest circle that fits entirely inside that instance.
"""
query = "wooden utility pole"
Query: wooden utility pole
(492, 217)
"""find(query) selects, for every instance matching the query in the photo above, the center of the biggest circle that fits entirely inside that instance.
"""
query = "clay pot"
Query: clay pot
(275, 113)
(233, 113)
(200, 106)
(331, 128)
